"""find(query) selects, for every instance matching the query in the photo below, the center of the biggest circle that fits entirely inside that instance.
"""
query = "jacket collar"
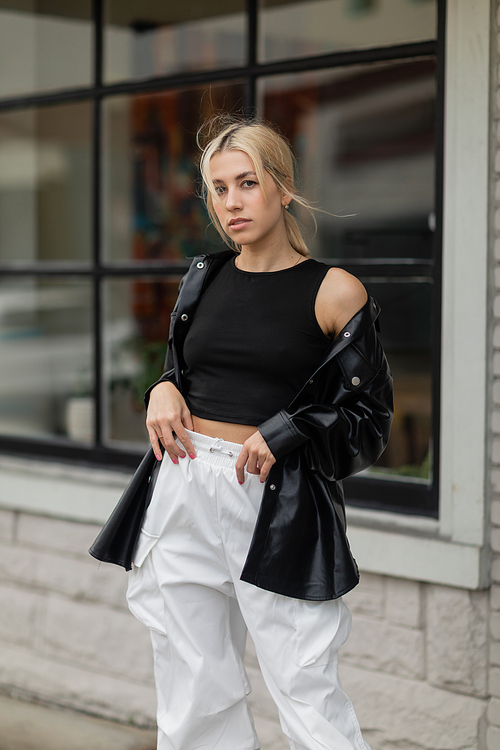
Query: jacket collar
(194, 280)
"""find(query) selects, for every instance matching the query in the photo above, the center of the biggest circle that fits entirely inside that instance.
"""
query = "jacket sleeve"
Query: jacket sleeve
(167, 377)
(347, 430)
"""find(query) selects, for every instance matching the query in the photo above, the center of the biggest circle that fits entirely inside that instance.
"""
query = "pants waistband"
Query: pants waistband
(215, 451)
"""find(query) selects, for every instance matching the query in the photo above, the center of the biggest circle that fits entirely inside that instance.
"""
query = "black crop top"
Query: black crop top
(253, 342)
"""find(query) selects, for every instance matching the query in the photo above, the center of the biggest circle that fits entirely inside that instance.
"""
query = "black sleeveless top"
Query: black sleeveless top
(253, 342)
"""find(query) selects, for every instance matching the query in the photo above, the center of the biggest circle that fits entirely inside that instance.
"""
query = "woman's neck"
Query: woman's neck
(272, 259)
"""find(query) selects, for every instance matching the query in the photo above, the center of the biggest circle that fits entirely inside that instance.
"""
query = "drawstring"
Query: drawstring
(219, 449)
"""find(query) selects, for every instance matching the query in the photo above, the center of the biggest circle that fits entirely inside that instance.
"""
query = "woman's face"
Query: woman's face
(245, 214)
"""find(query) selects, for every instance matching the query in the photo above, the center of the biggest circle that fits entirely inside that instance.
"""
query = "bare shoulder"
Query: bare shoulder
(340, 296)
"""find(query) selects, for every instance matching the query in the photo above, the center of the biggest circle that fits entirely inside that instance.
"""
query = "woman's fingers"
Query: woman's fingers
(240, 465)
(154, 440)
(266, 467)
(187, 420)
(168, 415)
(184, 438)
(256, 457)
(165, 433)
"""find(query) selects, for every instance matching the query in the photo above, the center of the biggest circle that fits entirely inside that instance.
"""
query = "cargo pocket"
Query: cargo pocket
(144, 597)
(145, 544)
(320, 630)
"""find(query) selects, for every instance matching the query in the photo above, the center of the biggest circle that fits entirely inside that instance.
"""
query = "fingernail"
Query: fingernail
(158, 456)
(191, 455)
(239, 481)
(183, 456)
(262, 481)
(175, 461)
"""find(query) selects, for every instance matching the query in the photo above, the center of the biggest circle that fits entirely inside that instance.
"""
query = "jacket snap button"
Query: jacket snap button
(184, 316)
(272, 486)
(347, 334)
(355, 380)
(311, 381)
(200, 265)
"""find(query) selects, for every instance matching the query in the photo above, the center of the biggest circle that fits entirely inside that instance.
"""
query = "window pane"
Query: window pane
(298, 29)
(150, 188)
(45, 171)
(136, 331)
(46, 370)
(364, 138)
(145, 38)
(405, 333)
(44, 45)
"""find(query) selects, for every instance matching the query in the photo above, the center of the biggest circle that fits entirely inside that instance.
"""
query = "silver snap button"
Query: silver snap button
(200, 265)
(311, 381)
(347, 334)
(272, 486)
(355, 380)
(184, 316)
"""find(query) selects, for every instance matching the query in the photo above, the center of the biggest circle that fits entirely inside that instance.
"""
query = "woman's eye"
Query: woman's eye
(249, 183)
(219, 189)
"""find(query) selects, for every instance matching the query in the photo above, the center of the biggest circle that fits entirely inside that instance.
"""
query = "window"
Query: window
(99, 211)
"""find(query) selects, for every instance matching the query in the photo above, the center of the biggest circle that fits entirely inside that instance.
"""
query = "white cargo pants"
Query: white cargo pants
(185, 586)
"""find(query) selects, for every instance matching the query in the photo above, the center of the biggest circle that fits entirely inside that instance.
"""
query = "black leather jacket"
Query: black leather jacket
(337, 424)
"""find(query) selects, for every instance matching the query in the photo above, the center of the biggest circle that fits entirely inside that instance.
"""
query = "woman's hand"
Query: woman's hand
(168, 413)
(257, 457)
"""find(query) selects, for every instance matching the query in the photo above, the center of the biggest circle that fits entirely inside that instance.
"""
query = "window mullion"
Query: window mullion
(97, 13)
(96, 247)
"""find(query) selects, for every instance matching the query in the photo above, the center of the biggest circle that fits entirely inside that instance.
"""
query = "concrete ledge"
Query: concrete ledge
(416, 557)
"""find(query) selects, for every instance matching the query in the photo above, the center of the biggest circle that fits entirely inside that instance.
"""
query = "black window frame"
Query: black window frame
(396, 494)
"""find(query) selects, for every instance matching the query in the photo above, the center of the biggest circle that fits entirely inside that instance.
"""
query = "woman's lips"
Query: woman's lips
(237, 224)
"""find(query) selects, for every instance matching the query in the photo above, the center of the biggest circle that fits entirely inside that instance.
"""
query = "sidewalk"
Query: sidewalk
(35, 726)
(31, 726)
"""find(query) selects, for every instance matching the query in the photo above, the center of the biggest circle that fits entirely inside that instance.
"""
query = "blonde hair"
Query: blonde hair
(269, 152)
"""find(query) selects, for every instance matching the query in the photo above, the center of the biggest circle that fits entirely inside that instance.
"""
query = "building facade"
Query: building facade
(393, 109)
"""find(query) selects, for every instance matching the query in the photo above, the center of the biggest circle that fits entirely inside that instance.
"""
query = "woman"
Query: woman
(275, 388)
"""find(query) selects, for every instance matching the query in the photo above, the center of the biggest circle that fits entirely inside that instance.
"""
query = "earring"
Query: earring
(287, 206)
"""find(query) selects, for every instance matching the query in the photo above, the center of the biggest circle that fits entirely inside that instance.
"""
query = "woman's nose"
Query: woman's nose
(233, 200)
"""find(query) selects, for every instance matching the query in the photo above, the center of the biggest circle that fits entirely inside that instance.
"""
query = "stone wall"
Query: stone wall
(415, 664)
(493, 732)
(66, 635)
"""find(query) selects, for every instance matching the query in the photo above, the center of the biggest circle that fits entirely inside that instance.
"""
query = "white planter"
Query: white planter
(80, 417)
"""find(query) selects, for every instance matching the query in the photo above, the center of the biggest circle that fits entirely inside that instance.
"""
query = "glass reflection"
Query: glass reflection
(45, 180)
(145, 38)
(152, 210)
(44, 45)
(46, 371)
(364, 138)
(136, 334)
(406, 337)
(313, 27)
